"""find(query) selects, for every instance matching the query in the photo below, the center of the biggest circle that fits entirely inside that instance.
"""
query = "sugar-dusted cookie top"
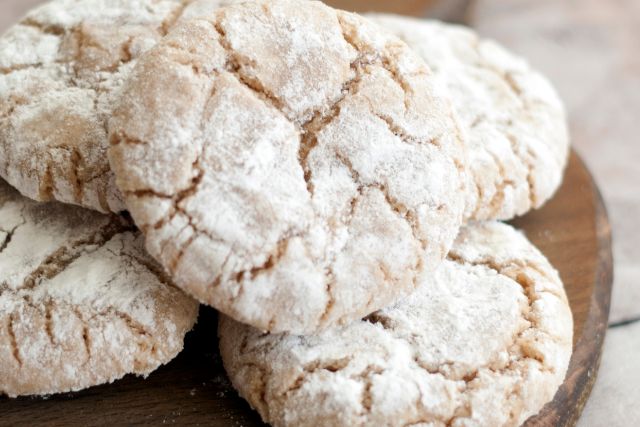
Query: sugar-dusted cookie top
(81, 303)
(484, 342)
(60, 70)
(516, 125)
(291, 165)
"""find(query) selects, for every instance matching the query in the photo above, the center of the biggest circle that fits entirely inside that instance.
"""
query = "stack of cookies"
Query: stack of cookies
(330, 183)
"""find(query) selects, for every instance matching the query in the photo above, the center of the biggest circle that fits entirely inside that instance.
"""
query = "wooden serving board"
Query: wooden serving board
(573, 232)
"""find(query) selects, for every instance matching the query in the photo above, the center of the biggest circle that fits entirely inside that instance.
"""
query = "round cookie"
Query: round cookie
(81, 303)
(290, 164)
(516, 126)
(60, 71)
(484, 342)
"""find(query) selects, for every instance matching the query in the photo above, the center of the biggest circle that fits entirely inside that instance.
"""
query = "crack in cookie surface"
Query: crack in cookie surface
(501, 100)
(50, 29)
(61, 258)
(319, 119)
(63, 61)
(525, 348)
(81, 303)
(234, 65)
(297, 229)
(15, 351)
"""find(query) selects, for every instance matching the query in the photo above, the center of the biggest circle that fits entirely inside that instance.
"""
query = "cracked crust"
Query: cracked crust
(81, 303)
(61, 69)
(487, 341)
(296, 178)
(516, 125)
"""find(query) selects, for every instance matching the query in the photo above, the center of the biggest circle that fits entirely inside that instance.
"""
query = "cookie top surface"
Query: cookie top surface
(290, 164)
(81, 303)
(60, 70)
(486, 341)
(516, 126)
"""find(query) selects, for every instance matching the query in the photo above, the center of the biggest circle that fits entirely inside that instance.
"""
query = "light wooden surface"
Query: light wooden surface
(572, 230)
(614, 399)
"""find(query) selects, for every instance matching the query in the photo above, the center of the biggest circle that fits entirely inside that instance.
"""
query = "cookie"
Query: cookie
(516, 125)
(290, 164)
(60, 70)
(486, 341)
(81, 303)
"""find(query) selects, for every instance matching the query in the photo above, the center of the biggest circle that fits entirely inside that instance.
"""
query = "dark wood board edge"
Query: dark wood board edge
(567, 406)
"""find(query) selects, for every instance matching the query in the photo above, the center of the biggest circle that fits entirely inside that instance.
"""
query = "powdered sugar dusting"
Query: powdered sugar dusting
(288, 163)
(485, 341)
(518, 140)
(81, 303)
(61, 69)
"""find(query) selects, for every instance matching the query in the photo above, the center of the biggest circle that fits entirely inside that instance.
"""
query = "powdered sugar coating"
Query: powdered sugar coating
(487, 341)
(60, 71)
(516, 125)
(81, 303)
(291, 165)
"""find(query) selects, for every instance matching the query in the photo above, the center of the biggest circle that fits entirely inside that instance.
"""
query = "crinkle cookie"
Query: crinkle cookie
(81, 303)
(516, 126)
(291, 165)
(486, 342)
(60, 71)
